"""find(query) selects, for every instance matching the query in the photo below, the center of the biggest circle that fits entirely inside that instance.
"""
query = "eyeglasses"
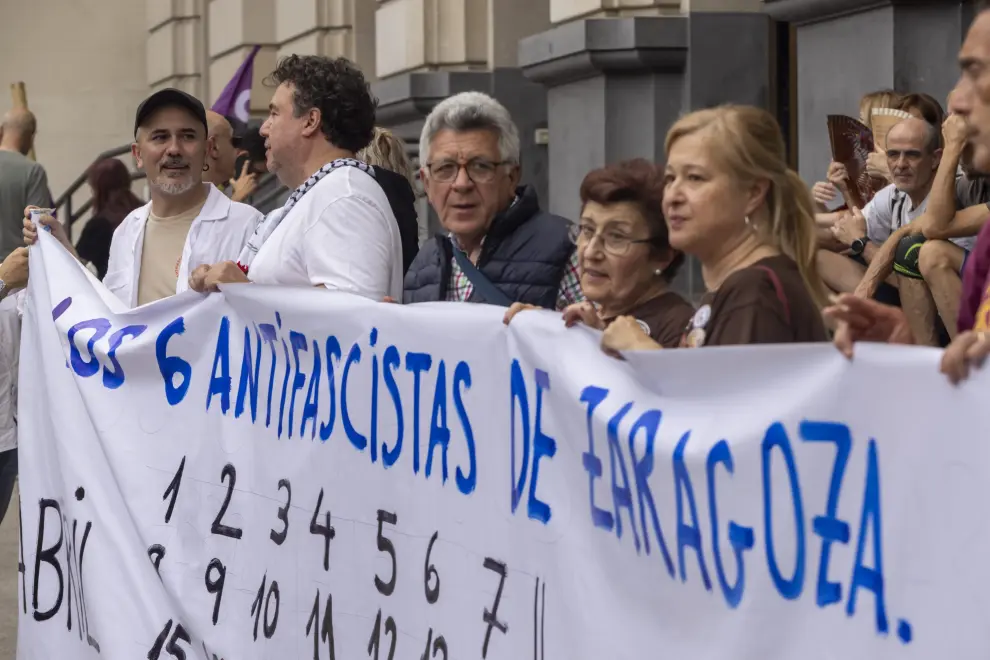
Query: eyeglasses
(612, 242)
(478, 170)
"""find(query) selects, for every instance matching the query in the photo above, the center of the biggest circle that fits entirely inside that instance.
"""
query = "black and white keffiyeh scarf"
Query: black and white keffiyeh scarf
(274, 219)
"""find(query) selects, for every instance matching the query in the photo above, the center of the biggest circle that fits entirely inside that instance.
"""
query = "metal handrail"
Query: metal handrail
(268, 197)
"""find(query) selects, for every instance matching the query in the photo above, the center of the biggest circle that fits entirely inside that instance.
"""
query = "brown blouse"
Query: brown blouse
(663, 318)
(766, 303)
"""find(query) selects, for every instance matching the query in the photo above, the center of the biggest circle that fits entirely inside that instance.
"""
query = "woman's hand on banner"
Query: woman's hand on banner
(515, 309)
(625, 334)
(585, 313)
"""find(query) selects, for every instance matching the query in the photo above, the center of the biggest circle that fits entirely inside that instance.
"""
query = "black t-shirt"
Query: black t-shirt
(94, 243)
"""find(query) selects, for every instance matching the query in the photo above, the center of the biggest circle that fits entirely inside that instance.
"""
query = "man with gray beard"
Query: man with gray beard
(187, 223)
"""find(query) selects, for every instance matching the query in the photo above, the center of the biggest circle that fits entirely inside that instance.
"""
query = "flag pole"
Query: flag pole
(18, 92)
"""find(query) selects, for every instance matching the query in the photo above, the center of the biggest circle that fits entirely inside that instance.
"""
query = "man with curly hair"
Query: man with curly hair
(337, 229)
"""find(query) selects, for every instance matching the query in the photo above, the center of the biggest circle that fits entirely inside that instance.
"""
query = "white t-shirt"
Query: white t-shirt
(890, 209)
(341, 235)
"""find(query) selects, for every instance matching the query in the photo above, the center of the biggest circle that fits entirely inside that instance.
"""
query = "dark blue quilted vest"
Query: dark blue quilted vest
(525, 253)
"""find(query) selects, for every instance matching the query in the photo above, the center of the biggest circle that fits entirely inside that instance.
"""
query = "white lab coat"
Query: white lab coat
(218, 233)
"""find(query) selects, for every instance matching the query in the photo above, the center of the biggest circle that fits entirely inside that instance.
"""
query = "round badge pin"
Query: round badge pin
(696, 338)
(702, 316)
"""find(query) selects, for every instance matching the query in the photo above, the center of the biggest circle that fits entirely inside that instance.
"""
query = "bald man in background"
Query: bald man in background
(23, 182)
(221, 157)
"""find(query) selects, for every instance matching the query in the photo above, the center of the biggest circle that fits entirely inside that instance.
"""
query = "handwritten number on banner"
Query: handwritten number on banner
(440, 645)
(271, 618)
(172, 648)
(218, 527)
(326, 531)
(432, 593)
(214, 585)
(376, 636)
(173, 490)
(324, 633)
(539, 617)
(386, 545)
(490, 617)
(172, 366)
(283, 513)
(156, 553)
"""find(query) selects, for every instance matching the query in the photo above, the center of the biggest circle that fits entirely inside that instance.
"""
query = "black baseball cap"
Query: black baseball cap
(169, 97)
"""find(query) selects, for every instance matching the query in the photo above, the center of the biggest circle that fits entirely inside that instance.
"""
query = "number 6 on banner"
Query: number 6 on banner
(432, 593)
(172, 366)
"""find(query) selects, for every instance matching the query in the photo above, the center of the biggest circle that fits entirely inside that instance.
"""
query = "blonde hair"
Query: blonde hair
(883, 98)
(751, 148)
(388, 152)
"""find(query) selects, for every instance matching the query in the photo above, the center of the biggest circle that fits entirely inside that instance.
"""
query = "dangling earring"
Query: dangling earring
(750, 224)
(206, 167)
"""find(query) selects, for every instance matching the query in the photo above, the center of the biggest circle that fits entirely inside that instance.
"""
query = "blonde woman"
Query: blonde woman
(731, 201)
(387, 154)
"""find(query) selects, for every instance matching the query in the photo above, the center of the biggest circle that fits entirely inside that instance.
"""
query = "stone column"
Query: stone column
(613, 87)
(847, 48)
(618, 73)
(234, 27)
(175, 45)
(333, 28)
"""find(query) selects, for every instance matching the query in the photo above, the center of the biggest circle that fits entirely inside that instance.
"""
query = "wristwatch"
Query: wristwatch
(3, 290)
(857, 246)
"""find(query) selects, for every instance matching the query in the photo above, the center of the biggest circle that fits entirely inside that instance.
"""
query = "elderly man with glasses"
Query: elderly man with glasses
(499, 247)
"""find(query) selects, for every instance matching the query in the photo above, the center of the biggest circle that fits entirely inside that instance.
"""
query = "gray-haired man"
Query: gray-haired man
(498, 246)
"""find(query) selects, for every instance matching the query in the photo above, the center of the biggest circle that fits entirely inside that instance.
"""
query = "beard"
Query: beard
(171, 187)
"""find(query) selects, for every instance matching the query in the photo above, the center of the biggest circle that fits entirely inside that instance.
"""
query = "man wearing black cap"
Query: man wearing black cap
(187, 223)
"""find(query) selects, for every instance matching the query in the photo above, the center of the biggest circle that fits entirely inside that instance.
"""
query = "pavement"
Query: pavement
(8, 581)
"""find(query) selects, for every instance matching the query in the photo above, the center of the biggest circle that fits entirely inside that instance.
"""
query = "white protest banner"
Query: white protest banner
(294, 473)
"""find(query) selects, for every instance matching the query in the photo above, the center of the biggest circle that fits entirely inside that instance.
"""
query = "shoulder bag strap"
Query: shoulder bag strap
(779, 288)
(491, 293)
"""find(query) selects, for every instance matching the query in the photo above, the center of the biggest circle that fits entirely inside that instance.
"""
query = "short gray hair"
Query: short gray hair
(470, 111)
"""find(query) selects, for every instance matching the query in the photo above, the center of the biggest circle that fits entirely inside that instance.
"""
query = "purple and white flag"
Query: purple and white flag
(235, 99)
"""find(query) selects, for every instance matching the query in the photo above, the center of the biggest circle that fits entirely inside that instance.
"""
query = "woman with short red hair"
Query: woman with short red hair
(110, 182)
(624, 256)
